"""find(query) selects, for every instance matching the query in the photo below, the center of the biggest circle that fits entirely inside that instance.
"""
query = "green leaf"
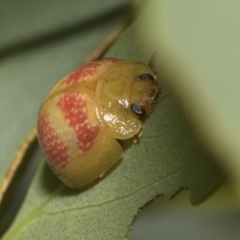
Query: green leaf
(199, 45)
(40, 42)
(34, 56)
(167, 159)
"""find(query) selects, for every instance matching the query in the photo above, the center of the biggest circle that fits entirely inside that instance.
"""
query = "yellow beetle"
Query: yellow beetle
(86, 111)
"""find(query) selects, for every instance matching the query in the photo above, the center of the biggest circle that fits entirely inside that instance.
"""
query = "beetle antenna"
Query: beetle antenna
(152, 59)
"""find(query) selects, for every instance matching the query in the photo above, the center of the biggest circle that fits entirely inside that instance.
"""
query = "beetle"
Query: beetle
(87, 111)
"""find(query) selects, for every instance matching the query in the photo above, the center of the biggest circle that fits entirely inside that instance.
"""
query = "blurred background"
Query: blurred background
(216, 218)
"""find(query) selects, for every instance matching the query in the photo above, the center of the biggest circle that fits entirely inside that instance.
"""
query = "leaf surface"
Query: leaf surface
(167, 159)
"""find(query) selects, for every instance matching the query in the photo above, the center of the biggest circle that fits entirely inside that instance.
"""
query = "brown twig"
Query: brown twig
(17, 161)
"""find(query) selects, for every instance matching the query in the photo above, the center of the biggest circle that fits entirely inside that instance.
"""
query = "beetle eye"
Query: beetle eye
(147, 76)
(138, 110)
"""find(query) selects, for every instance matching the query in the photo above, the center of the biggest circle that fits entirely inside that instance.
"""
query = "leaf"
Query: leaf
(30, 61)
(199, 45)
(167, 159)
(34, 56)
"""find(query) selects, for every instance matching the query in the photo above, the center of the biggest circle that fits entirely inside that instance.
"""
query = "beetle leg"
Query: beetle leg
(137, 136)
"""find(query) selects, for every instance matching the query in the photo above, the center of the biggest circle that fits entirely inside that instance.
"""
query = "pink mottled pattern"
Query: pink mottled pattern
(86, 72)
(74, 108)
(53, 147)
